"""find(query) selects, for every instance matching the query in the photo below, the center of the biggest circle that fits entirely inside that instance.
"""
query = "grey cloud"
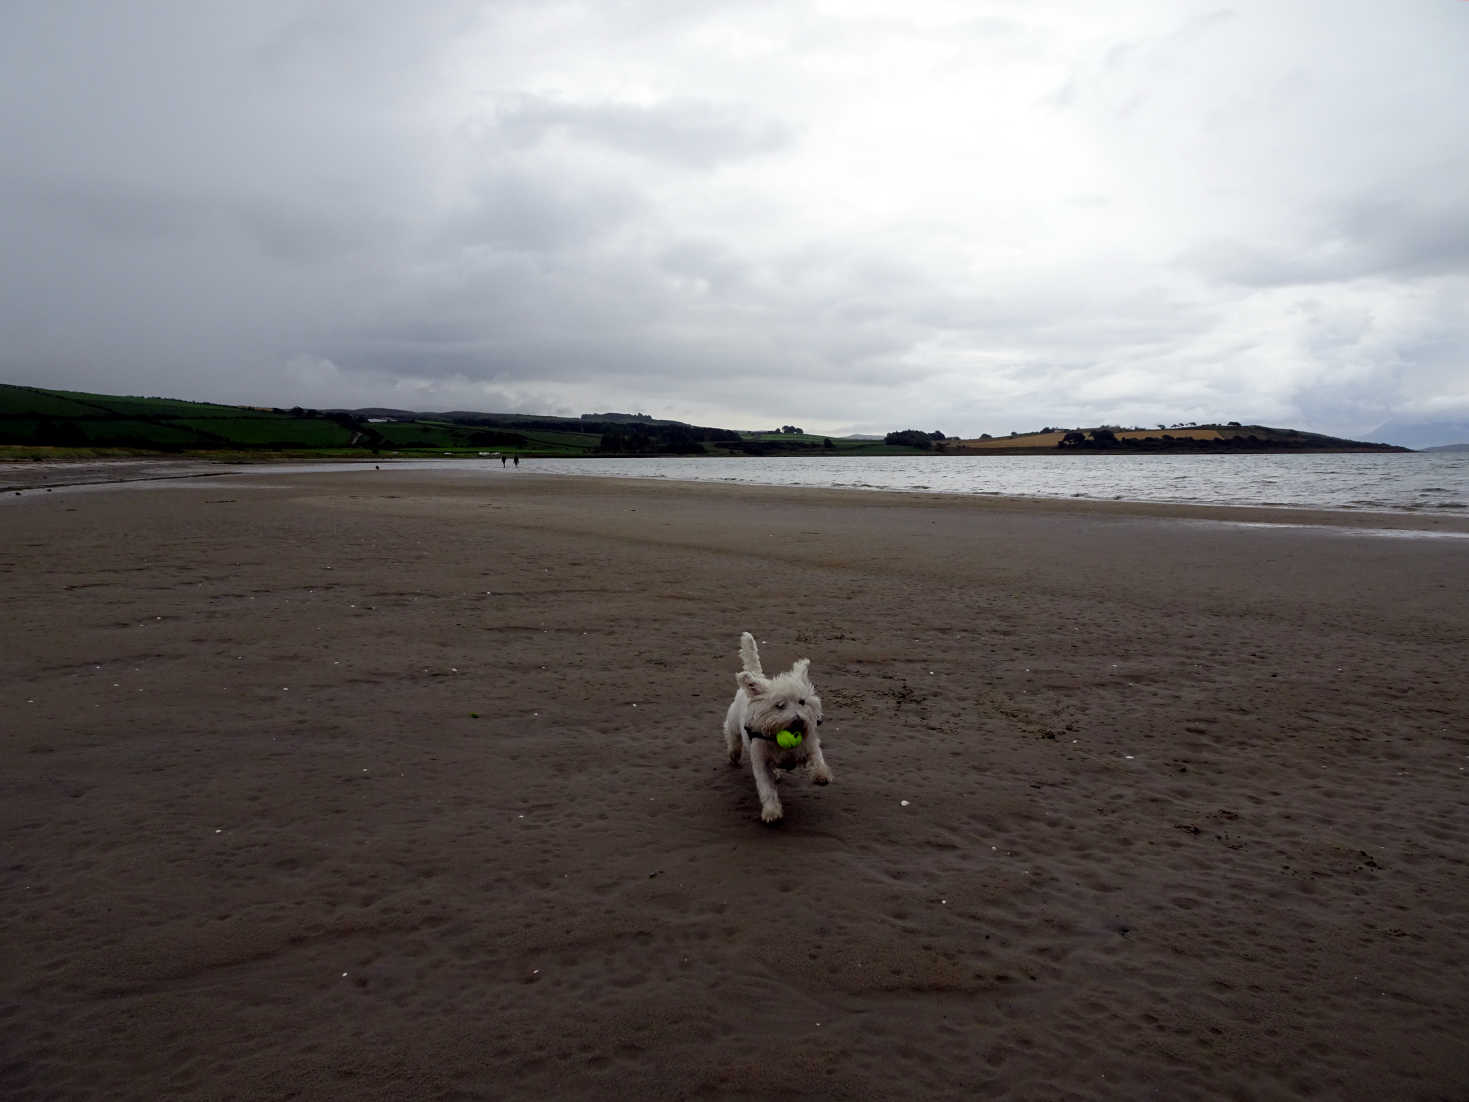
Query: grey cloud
(518, 210)
(1202, 25)
(373, 48)
(1409, 236)
(1130, 75)
(708, 262)
(288, 230)
(687, 133)
(120, 212)
(1376, 236)
(293, 233)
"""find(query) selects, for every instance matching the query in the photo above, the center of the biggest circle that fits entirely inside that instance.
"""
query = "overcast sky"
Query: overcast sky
(854, 215)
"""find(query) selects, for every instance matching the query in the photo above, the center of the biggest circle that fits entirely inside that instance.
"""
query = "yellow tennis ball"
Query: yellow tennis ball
(787, 740)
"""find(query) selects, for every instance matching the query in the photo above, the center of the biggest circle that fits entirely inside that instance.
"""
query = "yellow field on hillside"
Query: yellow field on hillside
(1024, 440)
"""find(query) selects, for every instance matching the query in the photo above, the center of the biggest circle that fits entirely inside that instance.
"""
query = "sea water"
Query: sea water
(1368, 481)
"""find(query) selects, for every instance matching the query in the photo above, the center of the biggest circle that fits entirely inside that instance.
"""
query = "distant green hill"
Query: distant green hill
(75, 423)
(80, 423)
(32, 416)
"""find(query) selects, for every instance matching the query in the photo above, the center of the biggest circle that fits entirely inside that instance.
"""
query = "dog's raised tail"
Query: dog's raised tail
(750, 655)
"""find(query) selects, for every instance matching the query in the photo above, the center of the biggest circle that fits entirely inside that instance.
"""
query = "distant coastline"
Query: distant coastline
(39, 424)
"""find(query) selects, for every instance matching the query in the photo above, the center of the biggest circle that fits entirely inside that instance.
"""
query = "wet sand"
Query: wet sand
(389, 784)
(22, 476)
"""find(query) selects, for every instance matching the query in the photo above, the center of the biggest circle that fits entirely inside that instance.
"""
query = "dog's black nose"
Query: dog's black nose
(797, 726)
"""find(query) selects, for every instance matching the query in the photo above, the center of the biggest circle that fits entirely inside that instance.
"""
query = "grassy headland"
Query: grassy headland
(36, 423)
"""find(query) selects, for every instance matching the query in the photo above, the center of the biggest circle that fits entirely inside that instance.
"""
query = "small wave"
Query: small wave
(1376, 483)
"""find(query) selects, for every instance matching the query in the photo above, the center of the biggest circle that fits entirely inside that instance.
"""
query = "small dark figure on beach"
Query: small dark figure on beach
(502, 461)
(517, 460)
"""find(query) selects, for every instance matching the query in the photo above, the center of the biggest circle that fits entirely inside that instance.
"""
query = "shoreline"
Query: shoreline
(411, 784)
(1443, 522)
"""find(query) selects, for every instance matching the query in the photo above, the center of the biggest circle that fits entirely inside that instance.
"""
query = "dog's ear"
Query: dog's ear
(800, 668)
(750, 683)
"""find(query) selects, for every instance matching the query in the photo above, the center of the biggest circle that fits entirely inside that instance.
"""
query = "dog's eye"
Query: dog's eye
(780, 703)
(802, 702)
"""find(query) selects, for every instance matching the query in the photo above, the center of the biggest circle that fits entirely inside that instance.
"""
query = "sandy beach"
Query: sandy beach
(386, 785)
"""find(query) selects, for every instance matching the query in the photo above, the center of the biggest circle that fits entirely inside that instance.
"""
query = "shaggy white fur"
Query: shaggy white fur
(761, 709)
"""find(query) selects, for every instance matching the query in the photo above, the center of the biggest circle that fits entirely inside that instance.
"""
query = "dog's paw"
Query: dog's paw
(821, 775)
(770, 813)
(734, 757)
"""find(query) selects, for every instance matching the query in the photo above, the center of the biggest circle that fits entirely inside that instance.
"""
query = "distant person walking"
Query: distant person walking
(517, 460)
(502, 461)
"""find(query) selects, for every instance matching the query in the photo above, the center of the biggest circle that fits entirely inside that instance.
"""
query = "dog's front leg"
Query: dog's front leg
(770, 809)
(820, 771)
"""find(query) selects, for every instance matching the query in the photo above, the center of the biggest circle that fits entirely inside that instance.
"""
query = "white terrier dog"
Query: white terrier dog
(775, 719)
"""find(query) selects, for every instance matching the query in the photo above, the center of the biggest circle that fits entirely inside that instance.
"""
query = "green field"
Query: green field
(36, 418)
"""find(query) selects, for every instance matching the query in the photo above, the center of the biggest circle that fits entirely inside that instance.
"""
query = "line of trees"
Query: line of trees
(641, 439)
(914, 438)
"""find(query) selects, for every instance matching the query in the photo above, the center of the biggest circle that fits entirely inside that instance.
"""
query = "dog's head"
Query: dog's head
(787, 702)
